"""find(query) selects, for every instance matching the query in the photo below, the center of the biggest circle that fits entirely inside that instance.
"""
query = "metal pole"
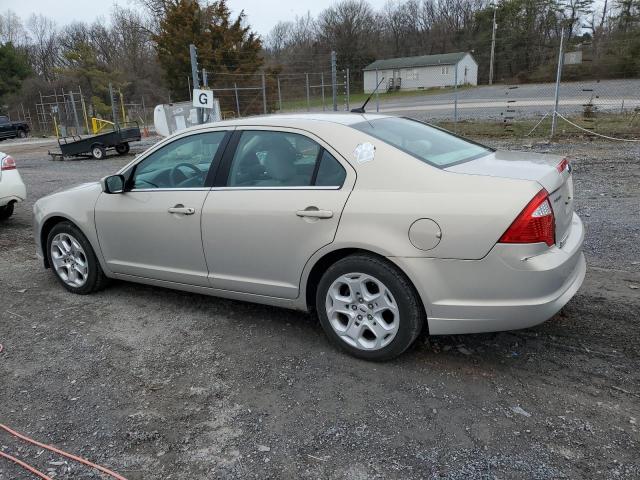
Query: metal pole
(279, 94)
(205, 77)
(554, 119)
(264, 94)
(377, 90)
(84, 109)
(75, 112)
(235, 86)
(322, 86)
(144, 112)
(455, 98)
(493, 44)
(334, 80)
(189, 87)
(308, 100)
(194, 74)
(114, 113)
(66, 110)
(348, 90)
(44, 118)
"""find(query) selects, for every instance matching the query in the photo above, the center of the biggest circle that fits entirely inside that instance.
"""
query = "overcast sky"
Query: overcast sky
(261, 14)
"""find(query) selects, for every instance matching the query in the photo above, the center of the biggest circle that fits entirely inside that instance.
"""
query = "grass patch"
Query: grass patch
(618, 125)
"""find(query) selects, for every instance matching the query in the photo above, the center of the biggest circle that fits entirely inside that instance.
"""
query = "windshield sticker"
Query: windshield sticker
(365, 152)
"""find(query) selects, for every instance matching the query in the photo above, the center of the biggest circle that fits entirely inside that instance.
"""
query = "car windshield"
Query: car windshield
(429, 144)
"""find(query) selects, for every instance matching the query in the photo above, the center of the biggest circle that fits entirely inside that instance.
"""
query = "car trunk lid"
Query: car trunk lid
(550, 171)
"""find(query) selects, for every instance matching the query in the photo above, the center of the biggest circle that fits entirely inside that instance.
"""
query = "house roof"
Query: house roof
(419, 61)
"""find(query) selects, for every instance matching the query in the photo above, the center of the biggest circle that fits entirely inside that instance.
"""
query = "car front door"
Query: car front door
(152, 230)
(277, 200)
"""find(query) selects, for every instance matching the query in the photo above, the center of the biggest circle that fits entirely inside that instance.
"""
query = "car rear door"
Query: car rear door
(277, 199)
(152, 230)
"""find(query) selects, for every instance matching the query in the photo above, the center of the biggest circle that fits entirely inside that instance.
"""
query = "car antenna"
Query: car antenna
(361, 109)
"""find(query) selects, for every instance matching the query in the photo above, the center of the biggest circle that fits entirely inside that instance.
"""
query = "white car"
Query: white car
(379, 224)
(12, 189)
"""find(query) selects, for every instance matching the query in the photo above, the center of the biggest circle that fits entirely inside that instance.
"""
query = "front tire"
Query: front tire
(6, 211)
(369, 308)
(22, 134)
(73, 260)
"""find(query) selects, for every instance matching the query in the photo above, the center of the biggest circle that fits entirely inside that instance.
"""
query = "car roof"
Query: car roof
(295, 120)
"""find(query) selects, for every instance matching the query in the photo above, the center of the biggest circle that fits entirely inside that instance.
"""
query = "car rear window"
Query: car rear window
(427, 143)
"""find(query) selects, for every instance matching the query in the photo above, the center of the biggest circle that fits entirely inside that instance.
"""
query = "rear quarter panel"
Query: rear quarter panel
(395, 189)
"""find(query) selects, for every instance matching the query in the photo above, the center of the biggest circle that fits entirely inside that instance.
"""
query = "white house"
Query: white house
(425, 71)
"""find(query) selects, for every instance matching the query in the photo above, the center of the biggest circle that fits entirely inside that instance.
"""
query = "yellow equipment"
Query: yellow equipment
(98, 125)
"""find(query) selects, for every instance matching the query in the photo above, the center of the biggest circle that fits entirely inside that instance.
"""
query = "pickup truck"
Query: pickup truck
(9, 129)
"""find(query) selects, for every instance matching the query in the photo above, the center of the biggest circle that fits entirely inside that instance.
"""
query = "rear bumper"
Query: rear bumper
(514, 286)
(12, 188)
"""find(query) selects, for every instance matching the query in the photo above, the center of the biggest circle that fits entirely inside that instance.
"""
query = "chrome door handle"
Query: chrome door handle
(313, 212)
(182, 210)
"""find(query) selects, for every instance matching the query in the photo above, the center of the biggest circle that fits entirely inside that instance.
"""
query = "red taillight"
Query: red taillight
(535, 223)
(8, 163)
(564, 163)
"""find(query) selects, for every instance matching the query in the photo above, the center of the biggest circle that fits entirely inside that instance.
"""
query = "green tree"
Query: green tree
(225, 45)
(82, 65)
(14, 69)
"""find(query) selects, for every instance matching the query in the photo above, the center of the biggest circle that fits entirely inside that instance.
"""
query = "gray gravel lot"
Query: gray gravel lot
(159, 384)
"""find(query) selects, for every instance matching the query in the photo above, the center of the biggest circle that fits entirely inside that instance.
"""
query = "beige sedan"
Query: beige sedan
(384, 226)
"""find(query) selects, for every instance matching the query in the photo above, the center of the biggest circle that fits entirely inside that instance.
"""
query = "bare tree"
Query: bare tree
(43, 45)
(11, 29)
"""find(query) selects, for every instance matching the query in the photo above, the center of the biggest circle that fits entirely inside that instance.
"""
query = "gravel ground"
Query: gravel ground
(159, 384)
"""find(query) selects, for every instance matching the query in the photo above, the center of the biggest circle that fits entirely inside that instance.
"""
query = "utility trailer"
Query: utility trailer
(96, 146)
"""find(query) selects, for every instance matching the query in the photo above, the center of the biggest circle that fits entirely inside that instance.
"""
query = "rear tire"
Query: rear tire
(22, 134)
(6, 211)
(98, 152)
(123, 148)
(375, 311)
(68, 248)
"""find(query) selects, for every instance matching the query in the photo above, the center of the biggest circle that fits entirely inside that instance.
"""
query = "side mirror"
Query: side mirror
(113, 184)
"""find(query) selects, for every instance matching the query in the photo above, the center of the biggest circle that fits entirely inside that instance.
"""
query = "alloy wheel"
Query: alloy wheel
(362, 311)
(69, 260)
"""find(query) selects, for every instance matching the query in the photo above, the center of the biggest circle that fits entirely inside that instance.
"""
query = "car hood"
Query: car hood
(541, 168)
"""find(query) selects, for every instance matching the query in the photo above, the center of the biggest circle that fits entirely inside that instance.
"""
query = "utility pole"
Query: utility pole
(455, 98)
(334, 81)
(279, 95)
(493, 44)
(193, 53)
(308, 99)
(264, 94)
(346, 82)
(322, 88)
(554, 118)
(377, 89)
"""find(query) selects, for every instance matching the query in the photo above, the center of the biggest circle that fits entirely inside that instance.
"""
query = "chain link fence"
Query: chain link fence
(609, 107)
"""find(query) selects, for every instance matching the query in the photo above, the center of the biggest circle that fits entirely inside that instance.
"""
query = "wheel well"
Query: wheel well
(44, 234)
(323, 264)
(330, 258)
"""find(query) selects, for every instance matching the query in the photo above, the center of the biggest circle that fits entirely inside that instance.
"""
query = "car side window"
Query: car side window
(273, 159)
(184, 163)
(330, 172)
